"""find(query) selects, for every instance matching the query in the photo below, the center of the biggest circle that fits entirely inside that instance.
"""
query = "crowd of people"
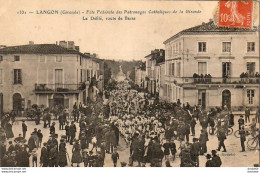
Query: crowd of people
(154, 132)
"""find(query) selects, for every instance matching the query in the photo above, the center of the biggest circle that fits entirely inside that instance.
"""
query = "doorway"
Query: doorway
(226, 99)
(202, 98)
(17, 102)
(58, 99)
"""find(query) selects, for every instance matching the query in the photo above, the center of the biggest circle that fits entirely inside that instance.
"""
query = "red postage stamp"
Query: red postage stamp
(235, 14)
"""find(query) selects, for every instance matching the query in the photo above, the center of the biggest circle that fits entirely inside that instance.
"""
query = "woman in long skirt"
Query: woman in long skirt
(76, 155)
(9, 130)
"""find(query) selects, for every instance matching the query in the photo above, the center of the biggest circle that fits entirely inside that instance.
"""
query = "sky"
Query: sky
(119, 40)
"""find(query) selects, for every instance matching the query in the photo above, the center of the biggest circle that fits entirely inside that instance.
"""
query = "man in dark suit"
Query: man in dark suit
(24, 128)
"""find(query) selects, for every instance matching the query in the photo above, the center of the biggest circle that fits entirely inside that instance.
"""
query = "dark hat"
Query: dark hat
(195, 139)
(214, 152)
(208, 156)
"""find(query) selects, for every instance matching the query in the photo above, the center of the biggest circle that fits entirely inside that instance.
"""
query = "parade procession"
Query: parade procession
(127, 130)
(172, 85)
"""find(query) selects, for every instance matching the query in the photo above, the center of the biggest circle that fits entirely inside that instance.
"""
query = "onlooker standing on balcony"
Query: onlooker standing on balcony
(247, 114)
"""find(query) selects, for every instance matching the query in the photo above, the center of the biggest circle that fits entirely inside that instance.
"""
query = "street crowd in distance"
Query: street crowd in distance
(155, 133)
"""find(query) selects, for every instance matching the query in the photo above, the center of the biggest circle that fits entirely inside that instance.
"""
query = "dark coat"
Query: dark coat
(44, 156)
(9, 131)
(62, 155)
(76, 155)
(31, 143)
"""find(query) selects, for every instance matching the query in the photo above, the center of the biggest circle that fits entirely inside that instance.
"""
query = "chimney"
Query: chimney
(56, 42)
(211, 20)
(63, 44)
(71, 45)
(31, 42)
(77, 48)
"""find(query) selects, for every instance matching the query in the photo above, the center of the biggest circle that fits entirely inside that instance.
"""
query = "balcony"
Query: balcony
(214, 81)
(220, 80)
(59, 88)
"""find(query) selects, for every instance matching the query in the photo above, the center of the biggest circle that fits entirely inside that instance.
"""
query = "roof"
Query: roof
(209, 27)
(39, 49)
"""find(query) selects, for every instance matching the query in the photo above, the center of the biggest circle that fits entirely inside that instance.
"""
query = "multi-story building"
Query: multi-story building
(205, 63)
(152, 60)
(43, 74)
(140, 74)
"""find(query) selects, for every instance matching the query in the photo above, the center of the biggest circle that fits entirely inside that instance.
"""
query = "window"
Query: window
(81, 75)
(58, 76)
(250, 66)
(16, 58)
(80, 61)
(202, 68)
(17, 76)
(250, 46)
(1, 58)
(180, 47)
(164, 89)
(1, 76)
(226, 70)
(250, 96)
(226, 47)
(178, 69)
(172, 69)
(42, 58)
(202, 47)
(58, 58)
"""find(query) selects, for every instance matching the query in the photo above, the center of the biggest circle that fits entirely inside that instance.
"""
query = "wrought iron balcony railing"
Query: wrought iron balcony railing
(60, 87)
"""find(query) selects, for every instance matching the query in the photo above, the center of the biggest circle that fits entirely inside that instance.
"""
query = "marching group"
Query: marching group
(154, 132)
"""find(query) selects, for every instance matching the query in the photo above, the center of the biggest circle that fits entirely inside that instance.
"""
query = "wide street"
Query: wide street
(232, 158)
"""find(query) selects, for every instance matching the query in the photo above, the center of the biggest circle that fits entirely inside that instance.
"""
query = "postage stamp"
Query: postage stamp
(235, 14)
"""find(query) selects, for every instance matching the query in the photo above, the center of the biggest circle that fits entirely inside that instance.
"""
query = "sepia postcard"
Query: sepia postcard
(129, 83)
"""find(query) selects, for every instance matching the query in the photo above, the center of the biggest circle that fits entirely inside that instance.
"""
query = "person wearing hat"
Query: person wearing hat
(11, 147)
(209, 162)
(241, 122)
(76, 156)
(62, 161)
(52, 128)
(72, 131)
(242, 134)
(31, 142)
(203, 141)
(24, 128)
(44, 155)
(195, 151)
(216, 159)
(115, 157)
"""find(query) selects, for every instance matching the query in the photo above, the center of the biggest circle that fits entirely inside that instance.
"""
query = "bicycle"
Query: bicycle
(229, 131)
(247, 130)
(253, 142)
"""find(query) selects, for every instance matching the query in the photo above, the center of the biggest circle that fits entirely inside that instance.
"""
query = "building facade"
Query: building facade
(43, 74)
(140, 74)
(212, 66)
(152, 70)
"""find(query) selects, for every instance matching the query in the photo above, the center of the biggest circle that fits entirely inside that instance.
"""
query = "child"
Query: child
(166, 147)
(115, 157)
(173, 148)
(34, 157)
